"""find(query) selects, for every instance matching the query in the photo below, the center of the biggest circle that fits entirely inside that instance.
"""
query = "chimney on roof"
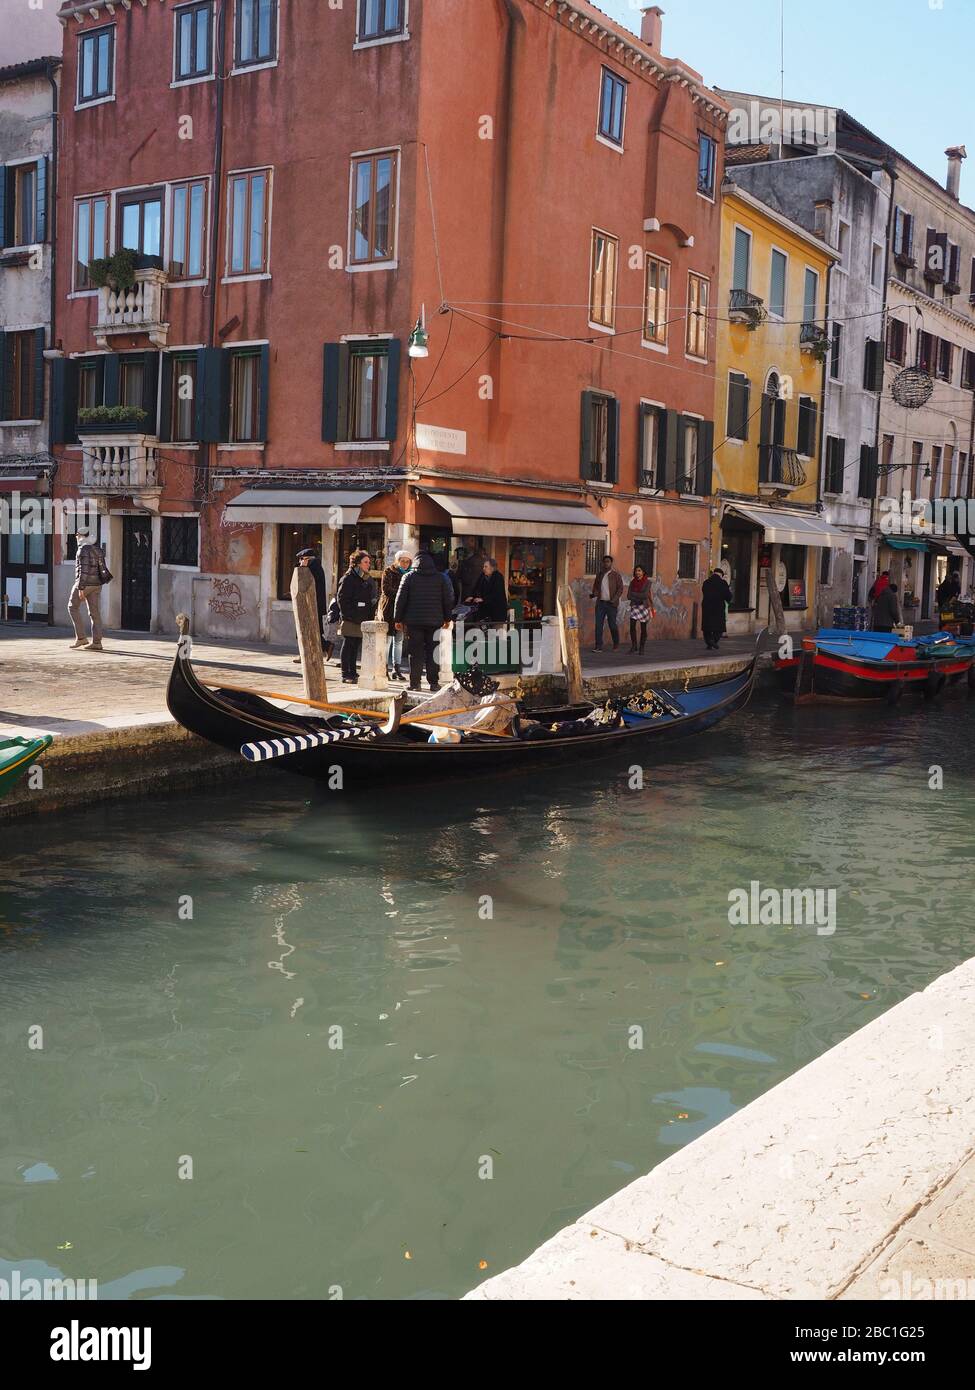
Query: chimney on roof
(651, 27)
(955, 154)
(823, 218)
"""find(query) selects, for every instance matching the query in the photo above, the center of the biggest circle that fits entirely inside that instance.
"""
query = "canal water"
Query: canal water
(301, 1046)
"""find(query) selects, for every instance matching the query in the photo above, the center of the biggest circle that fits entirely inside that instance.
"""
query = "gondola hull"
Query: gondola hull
(232, 719)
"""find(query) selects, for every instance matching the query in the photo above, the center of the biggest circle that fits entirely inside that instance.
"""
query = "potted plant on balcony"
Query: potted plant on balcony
(111, 419)
(116, 272)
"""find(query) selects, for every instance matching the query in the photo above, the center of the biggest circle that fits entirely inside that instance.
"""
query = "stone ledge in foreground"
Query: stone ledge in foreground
(815, 1184)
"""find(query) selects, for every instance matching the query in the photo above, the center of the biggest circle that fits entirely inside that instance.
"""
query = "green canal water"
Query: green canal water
(485, 1091)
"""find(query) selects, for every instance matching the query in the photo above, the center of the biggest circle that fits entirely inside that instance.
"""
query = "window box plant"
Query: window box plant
(111, 419)
(116, 272)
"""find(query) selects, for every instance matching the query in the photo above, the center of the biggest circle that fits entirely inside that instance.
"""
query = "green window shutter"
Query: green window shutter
(335, 393)
(110, 379)
(742, 249)
(150, 391)
(670, 430)
(165, 427)
(40, 222)
(39, 334)
(265, 391)
(3, 207)
(211, 394)
(585, 436)
(705, 458)
(64, 406)
(613, 443)
(6, 376)
(392, 388)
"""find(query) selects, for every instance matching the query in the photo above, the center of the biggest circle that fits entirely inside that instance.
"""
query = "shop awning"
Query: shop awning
(901, 543)
(789, 528)
(510, 516)
(949, 548)
(298, 504)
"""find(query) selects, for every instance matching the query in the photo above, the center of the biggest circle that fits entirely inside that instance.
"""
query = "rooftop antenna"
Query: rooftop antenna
(781, 79)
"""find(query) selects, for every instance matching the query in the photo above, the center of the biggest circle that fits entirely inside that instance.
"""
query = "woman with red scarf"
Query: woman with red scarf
(641, 606)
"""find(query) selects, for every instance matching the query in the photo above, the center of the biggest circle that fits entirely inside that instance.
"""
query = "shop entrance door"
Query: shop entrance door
(24, 570)
(926, 587)
(137, 572)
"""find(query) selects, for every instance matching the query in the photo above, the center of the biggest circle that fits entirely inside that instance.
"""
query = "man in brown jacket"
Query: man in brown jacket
(607, 590)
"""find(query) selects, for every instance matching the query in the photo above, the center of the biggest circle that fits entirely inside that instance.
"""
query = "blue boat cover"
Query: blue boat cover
(876, 646)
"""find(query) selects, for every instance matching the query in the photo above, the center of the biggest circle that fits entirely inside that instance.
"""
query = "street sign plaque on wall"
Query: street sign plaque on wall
(440, 440)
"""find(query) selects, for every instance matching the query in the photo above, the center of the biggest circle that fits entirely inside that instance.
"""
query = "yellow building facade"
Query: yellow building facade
(771, 356)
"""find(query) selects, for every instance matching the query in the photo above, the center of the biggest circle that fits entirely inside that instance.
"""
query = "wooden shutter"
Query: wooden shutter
(705, 457)
(867, 481)
(873, 366)
(742, 248)
(110, 379)
(3, 214)
(392, 388)
(335, 393)
(150, 391)
(613, 441)
(212, 394)
(7, 376)
(38, 405)
(64, 399)
(40, 223)
(936, 255)
(264, 391)
(164, 429)
(585, 436)
(669, 429)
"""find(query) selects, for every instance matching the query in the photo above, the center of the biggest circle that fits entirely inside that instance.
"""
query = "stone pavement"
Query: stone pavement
(46, 686)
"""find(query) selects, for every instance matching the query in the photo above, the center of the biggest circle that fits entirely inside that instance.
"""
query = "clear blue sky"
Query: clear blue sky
(903, 68)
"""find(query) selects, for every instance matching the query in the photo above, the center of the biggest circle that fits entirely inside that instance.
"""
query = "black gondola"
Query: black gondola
(233, 719)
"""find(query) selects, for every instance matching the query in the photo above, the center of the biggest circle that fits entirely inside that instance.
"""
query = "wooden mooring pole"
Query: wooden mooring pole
(309, 629)
(569, 629)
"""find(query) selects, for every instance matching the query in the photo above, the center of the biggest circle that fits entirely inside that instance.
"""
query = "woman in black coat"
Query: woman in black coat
(715, 593)
(357, 604)
(489, 597)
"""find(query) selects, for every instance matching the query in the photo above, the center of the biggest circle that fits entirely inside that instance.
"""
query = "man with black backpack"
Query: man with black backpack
(90, 574)
(424, 603)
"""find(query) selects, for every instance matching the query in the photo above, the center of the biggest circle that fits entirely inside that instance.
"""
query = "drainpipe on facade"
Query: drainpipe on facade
(889, 169)
(202, 479)
(52, 233)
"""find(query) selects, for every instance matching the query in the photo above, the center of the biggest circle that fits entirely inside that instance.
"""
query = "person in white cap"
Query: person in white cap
(91, 573)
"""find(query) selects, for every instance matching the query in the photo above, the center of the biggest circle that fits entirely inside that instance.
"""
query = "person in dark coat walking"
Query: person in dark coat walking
(392, 578)
(715, 593)
(886, 610)
(357, 604)
(424, 603)
(469, 571)
(489, 598)
(309, 559)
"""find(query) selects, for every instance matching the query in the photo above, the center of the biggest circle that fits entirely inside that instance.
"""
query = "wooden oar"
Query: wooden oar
(295, 700)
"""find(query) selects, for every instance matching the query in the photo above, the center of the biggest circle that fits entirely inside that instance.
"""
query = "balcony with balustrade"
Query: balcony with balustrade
(121, 465)
(139, 309)
(779, 469)
(747, 308)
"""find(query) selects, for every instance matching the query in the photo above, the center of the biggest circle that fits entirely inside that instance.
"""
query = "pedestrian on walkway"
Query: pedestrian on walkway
(886, 610)
(357, 604)
(308, 559)
(424, 603)
(91, 574)
(878, 585)
(607, 590)
(715, 593)
(392, 578)
(641, 607)
(488, 595)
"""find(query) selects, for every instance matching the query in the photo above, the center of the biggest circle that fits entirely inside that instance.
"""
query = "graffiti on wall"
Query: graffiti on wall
(226, 600)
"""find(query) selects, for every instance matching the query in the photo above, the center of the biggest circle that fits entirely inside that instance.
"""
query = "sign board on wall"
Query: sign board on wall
(440, 440)
(797, 593)
(37, 592)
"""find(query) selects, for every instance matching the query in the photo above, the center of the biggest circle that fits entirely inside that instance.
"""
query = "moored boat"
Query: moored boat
(836, 664)
(17, 755)
(315, 744)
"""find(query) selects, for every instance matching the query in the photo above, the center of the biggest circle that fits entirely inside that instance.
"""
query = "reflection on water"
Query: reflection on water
(339, 1015)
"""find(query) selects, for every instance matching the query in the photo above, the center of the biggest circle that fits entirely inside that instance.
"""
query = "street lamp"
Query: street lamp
(418, 338)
